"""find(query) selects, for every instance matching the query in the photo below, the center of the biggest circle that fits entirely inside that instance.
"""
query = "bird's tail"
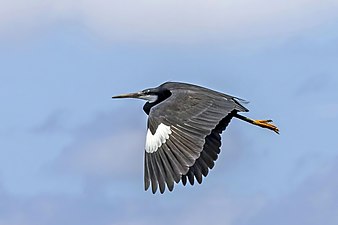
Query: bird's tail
(239, 104)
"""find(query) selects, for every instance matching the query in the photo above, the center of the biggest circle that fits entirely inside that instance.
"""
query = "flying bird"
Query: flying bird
(183, 139)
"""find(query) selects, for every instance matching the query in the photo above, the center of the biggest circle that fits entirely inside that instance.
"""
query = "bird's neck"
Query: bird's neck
(148, 106)
(161, 97)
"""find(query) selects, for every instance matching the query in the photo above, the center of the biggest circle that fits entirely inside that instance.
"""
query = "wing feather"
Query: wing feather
(184, 180)
(208, 159)
(152, 173)
(185, 157)
(198, 171)
(146, 172)
(193, 145)
(190, 175)
(186, 142)
(203, 165)
(175, 164)
(211, 149)
(169, 179)
(160, 172)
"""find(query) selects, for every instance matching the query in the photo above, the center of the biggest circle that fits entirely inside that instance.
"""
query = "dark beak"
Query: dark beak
(130, 95)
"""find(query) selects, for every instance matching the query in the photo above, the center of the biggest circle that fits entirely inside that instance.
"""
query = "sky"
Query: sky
(69, 154)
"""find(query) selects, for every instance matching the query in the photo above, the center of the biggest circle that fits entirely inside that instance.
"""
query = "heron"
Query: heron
(185, 123)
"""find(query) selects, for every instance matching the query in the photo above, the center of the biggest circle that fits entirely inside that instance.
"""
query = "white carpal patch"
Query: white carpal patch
(154, 141)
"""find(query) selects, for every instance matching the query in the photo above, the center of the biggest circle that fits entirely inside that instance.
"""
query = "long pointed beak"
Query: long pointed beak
(130, 95)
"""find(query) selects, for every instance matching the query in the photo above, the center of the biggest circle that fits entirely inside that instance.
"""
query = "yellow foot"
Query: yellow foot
(266, 124)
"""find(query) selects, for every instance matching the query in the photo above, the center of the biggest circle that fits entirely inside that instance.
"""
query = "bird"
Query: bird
(184, 127)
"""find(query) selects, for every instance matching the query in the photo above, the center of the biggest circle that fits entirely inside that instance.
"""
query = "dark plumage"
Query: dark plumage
(185, 123)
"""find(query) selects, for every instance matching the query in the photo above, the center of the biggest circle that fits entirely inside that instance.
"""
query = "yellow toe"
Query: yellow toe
(266, 124)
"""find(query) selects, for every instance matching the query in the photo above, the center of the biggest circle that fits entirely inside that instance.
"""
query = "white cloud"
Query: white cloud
(171, 20)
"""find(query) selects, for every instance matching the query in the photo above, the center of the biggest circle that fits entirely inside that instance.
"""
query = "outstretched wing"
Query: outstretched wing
(177, 134)
(209, 154)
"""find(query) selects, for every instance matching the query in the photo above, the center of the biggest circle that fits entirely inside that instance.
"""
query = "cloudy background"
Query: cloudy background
(69, 154)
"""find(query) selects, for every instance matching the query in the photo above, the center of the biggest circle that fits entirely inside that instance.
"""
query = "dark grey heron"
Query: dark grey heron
(185, 122)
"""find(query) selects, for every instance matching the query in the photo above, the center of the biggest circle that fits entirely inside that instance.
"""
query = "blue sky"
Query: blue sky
(69, 154)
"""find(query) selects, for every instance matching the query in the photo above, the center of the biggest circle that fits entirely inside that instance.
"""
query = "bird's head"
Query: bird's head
(153, 96)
